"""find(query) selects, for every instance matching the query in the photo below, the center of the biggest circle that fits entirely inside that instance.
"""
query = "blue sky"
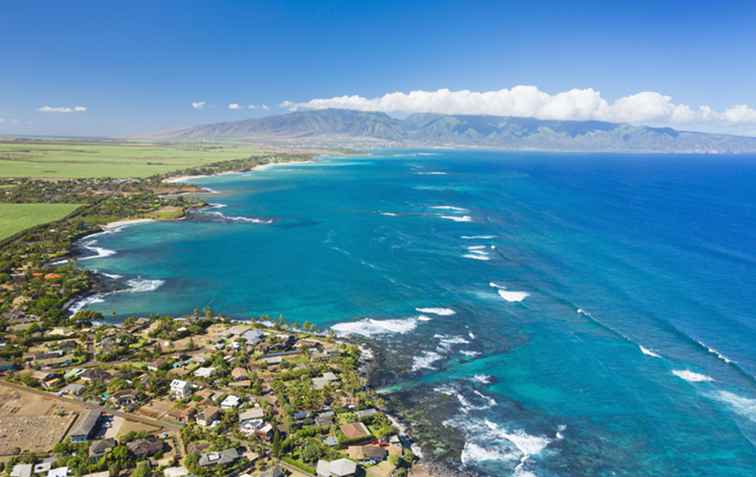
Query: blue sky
(138, 66)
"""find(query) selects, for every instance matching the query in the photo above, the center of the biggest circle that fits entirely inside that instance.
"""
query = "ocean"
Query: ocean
(532, 314)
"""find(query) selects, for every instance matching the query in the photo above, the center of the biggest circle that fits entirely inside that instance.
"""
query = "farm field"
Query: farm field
(62, 160)
(17, 217)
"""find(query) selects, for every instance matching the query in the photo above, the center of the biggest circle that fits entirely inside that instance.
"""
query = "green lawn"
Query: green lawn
(71, 160)
(17, 217)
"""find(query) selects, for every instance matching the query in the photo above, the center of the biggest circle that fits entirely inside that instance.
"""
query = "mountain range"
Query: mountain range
(340, 127)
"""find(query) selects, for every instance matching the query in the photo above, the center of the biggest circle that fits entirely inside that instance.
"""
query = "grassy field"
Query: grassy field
(71, 160)
(17, 217)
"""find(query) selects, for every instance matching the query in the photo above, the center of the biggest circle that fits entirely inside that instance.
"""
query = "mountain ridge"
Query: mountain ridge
(344, 127)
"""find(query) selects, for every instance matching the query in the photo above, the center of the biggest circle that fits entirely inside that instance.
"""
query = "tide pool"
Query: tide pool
(552, 314)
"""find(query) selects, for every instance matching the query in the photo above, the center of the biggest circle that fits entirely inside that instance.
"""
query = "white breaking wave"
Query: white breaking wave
(371, 327)
(437, 311)
(482, 379)
(487, 441)
(240, 218)
(425, 360)
(477, 247)
(446, 342)
(457, 218)
(691, 376)
(389, 214)
(449, 207)
(80, 304)
(477, 237)
(431, 173)
(471, 354)
(513, 296)
(715, 352)
(648, 352)
(477, 256)
(138, 285)
(99, 252)
(423, 318)
(510, 296)
(744, 406)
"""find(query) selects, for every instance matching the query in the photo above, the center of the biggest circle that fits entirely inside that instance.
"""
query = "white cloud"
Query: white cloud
(252, 106)
(199, 104)
(647, 107)
(62, 109)
(264, 107)
(234, 106)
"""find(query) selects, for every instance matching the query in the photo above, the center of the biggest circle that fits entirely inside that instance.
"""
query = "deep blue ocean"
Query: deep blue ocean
(533, 314)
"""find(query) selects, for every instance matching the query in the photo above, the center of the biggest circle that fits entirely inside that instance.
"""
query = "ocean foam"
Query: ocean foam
(691, 376)
(423, 318)
(445, 343)
(482, 378)
(510, 296)
(425, 360)
(513, 296)
(470, 354)
(744, 406)
(372, 327)
(648, 352)
(80, 304)
(715, 352)
(449, 207)
(437, 311)
(457, 218)
(431, 173)
(389, 214)
(477, 256)
(487, 441)
(139, 285)
(239, 218)
(99, 252)
(477, 237)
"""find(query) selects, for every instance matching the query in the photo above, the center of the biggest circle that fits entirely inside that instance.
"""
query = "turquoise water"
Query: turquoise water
(603, 305)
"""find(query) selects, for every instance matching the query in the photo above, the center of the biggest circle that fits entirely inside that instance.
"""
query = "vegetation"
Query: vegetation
(57, 160)
(17, 217)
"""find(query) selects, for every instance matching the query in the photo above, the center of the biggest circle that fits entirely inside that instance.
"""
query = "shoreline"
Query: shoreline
(259, 167)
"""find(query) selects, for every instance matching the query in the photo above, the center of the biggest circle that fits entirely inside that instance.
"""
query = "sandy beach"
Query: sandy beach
(121, 223)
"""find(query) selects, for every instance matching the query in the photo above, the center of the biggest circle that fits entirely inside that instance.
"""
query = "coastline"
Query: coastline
(259, 167)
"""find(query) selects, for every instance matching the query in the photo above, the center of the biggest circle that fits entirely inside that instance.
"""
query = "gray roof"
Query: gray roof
(85, 423)
(226, 456)
(22, 470)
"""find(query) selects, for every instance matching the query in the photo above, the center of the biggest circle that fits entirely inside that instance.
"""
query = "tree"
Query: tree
(142, 470)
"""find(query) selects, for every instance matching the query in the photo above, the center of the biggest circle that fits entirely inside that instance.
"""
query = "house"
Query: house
(331, 441)
(369, 453)
(366, 414)
(384, 469)
(324, 380)
(265, 432)
(231, 402)
(204, 372)
(21, 470)
(104, 473)
(336, 468)
(73, 389)
(238, 374)
(253, 337)
(58, 472)
(100, 448)
(95, 375)
(176, 472)
(208, 416)
(141, 448)
(227, 456)
(252, 413)
(180, 389)
(84, 426)
(324, 418)
(355, 431)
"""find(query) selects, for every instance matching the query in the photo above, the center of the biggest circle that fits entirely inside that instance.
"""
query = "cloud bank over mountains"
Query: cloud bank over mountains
(647, 107)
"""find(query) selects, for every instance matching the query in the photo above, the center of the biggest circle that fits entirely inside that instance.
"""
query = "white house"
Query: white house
(204, 372)
(336, 468)
(231, 402)
(180, 389)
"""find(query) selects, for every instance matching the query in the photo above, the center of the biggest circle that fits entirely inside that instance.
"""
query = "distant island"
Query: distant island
(348, 128)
